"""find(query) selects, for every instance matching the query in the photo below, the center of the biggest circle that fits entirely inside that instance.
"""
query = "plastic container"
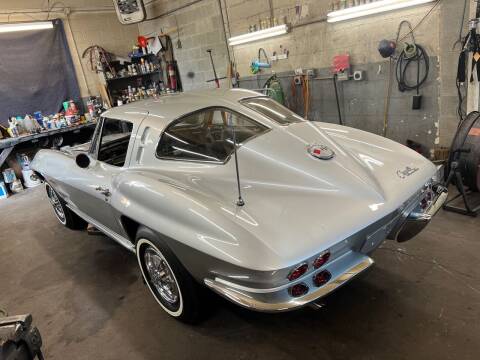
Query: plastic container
(9, 176)
(16, 186)
(30, 179)
(3, 191)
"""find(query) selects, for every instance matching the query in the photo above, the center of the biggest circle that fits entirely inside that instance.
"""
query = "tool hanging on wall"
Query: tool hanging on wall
(472, 44)
(304, 82)
(215, 77)
(99, 59)
(257, 65)
(469, 44)
(412, 53)
(409, 54)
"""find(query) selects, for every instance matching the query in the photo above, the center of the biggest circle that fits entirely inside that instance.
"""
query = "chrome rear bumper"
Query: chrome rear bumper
(414, 219)
(278, 299)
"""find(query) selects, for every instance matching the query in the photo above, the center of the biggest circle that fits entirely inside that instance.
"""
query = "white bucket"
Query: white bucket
(30, 179)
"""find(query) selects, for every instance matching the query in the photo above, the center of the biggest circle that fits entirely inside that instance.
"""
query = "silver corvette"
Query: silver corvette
(230, 190)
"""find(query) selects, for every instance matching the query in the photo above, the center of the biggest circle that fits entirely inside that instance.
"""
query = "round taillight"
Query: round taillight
(424, 204)
(321, 260)
(297, 272)
(298, 290)
(322, 278)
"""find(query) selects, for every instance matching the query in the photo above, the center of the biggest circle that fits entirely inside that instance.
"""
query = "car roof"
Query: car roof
(172, 106)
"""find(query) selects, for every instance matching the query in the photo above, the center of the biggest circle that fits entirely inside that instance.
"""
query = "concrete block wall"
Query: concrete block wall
(362, 103)
(314, 45)
(91, 22)
(199, 28)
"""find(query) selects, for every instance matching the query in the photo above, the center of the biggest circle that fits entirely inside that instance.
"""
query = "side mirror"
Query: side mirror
(82, 160)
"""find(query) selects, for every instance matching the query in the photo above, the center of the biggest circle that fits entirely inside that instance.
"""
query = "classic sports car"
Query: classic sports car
(231, 190)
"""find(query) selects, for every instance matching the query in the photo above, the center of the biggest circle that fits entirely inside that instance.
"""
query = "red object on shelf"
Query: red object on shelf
(341, 63)
(142, 41)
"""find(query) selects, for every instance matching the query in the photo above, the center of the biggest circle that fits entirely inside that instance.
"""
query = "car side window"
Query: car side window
(206, 135)
(114, 141)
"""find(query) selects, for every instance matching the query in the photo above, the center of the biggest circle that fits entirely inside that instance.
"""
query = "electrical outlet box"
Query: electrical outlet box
(358, 75)
(311, 73)
(279, 57)
(343, 75)
(417, 102)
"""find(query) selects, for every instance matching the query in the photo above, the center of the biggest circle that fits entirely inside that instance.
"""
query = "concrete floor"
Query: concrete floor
(421, 300)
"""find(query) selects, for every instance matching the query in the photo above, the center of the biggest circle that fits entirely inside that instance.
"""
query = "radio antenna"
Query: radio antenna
(240, 201)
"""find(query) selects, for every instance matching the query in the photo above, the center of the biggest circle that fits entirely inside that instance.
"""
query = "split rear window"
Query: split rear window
(272, 110)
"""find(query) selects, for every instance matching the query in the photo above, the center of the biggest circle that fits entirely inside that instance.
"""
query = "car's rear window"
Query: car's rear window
(207, 135)
(272, 110)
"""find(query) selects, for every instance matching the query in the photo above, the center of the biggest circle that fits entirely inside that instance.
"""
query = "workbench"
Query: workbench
(7, 145)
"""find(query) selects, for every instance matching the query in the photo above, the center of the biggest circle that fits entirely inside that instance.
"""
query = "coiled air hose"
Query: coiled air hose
(412, 53)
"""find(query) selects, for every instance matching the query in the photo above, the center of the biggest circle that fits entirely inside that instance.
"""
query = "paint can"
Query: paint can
(9, 176)
(30, 179)
(3, 190)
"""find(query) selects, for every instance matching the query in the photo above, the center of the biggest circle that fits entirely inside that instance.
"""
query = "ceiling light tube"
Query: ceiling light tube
(40, 25)
(372, 8)
(259, 35)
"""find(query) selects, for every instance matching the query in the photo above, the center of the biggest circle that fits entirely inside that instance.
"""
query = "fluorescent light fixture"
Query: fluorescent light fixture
(40, 25)
(258, 35)
(372, 8)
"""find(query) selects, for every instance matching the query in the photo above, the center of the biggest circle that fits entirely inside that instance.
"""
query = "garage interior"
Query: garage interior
(327, 61)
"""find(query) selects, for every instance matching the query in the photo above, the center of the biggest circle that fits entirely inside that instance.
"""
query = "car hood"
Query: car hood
(296, 204)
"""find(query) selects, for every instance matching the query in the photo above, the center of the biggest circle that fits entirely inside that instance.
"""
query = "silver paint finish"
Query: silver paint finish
(297, 206)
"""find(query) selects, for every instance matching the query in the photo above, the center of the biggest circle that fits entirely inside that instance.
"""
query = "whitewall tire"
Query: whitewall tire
(172, 286)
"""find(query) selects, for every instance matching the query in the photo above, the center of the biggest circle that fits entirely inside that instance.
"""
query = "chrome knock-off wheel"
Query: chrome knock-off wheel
(160, 275)
(57, 206)
(160, 278)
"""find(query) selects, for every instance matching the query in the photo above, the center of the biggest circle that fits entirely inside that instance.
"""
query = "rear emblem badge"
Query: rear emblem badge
(320, 151)
(402, 174)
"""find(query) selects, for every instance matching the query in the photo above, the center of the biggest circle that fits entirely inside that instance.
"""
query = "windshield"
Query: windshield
(273, 110)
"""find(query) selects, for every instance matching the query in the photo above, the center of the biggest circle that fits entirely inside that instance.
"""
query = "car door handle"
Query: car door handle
(103, 190)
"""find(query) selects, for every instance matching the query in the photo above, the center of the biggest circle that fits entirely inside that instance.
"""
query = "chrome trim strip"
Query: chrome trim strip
(249, 301)
(118, 238)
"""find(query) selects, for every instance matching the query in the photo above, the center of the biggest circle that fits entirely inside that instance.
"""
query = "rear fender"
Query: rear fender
(189, 217)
